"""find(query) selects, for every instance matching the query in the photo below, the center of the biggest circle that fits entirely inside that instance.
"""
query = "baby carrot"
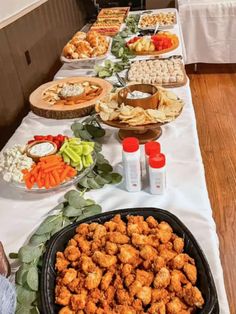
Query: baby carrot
(52, 181)
(65, 173)
(47, 183)
(56, 177)
(50, 169)
(51, 157)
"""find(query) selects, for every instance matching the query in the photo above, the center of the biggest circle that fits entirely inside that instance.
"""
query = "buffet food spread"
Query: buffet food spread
(133, 264)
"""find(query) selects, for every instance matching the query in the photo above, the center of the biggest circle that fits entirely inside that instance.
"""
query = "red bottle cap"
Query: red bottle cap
(152, 148)
(157, 161)
(130, 144)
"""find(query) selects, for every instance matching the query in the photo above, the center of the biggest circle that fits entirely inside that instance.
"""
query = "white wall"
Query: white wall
(11, 8)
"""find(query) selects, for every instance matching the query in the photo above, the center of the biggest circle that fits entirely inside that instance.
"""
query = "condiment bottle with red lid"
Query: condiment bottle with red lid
(157, 173)
(131, 164)
(151, 148)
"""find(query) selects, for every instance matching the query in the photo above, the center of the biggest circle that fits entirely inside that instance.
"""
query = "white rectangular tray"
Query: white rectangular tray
(162, 27)
(88, 60)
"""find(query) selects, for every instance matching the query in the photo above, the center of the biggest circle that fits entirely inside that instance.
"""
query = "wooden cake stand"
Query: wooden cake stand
(144, 133)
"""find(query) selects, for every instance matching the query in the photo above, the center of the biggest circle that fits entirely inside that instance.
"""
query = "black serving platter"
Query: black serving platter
(59, 241)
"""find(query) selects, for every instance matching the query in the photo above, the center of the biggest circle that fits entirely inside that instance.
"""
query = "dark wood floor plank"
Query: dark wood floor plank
(214, 98)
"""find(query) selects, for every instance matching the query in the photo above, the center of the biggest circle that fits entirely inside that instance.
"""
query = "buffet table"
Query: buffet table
(186, 195)
(209, 30)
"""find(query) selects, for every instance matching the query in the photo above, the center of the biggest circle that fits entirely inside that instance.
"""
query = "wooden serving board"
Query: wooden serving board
(46, 110)
(157, 53)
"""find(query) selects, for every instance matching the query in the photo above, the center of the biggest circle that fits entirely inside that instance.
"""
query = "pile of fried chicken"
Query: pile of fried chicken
(126, 268)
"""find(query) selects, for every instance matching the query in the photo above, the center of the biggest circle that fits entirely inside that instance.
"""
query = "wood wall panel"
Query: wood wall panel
(11, 96)
(41, 34)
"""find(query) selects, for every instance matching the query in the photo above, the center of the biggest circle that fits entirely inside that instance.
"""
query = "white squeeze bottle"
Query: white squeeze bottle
(157, 173)
(131, 164)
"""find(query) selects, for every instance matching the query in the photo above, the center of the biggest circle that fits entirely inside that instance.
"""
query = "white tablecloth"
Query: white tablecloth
(209, 30)
(186, 195)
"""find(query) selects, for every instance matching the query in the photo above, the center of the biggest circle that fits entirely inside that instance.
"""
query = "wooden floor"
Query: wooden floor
(214, 97)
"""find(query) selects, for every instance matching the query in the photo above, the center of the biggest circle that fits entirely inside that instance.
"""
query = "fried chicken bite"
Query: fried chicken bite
(121, 225)
(126, 270)
(106, 280)
(178, 244)
(167, 254)
(145, 295)
(192, 296)
(137, 224)
(117, 237)
(180, 260)
(160, 295)
(76, 284)
(148, 252)
(66, 310)
(175, 306)
(152, 222)
(62, 295)
(123, 297)
(165, 226)
(110, 226)
(87, 264)
(137, 305)
(111, 248)
(68, 275)
(109, 294)
(98, 244)
(164, 235)
(135, 288)
(158, 263)
(140, 239)
(93, 279)
(118, 282)
(104, 260)
(157, 308)
(129, 280)
(147, 264)
(95, 295)
(90, 308)
(72, 253)
(191, 272)
(146, 278)
(162, 279)
(61, 262)
(177, 280)
(99, 232)
(84, 245)
(78, 301)
(128, 255)
(83, 229)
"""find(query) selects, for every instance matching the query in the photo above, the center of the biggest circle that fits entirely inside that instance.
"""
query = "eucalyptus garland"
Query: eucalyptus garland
(73, 209)
(91, 130)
